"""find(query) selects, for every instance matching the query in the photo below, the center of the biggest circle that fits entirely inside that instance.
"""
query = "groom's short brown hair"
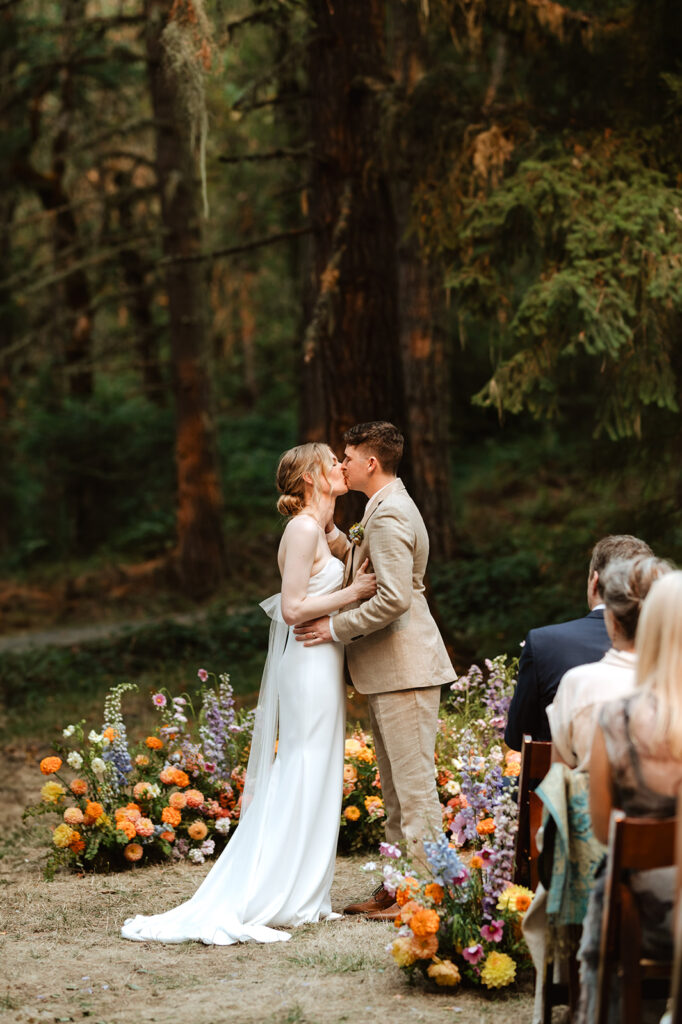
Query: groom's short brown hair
(382, 439)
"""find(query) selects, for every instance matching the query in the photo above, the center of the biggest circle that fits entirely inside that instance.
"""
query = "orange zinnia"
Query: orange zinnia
(197, 830)
(425, 922)
(434, 892)
(171, 816)
(180, 778)
(424, 946)
(406, 890)
(94, 810)
(194, 798)
(127, 828)
(78, 787)
(168, 836)
(522, 901)
(50, 765)
(485, 827)
(476, 861)
(154, 743)
(109, 734)
(177, 800)
(133, 852)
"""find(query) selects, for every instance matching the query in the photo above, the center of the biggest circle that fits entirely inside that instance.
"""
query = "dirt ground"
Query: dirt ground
(61, 958)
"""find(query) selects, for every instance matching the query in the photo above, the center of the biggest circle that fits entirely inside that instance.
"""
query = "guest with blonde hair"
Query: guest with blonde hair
(636, 765)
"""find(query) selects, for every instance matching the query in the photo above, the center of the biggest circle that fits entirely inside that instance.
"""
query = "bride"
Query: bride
(277, 870)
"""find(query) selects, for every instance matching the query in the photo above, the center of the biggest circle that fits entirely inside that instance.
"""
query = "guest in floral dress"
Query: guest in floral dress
(636, 765)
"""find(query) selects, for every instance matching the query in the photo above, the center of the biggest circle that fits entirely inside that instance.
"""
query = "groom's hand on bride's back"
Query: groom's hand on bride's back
(314, 632)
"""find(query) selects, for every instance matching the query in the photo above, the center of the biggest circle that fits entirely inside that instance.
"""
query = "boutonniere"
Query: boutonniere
(356, 533)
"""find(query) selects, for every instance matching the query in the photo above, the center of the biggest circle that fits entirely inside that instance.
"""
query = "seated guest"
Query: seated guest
(636, 765)
(549, 652)
(573, 713)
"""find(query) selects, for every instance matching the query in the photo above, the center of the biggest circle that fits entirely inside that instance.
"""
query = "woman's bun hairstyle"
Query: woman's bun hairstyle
(312, 459)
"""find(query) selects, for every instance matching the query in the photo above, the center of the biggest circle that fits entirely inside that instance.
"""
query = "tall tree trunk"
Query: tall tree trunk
(351, 357)
(422, 341)
(201, 560)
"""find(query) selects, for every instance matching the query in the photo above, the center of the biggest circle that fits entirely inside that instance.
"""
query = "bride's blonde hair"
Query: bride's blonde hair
(659, 656)
(314, 460)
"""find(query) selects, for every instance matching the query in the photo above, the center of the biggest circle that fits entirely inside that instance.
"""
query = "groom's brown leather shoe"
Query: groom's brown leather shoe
(389, 914)
(379, 901)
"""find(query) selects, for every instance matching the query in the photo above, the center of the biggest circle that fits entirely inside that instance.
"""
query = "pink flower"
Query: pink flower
(203, 674)
(493, 932)
(389, 850)
(472, 954)
(159, 701)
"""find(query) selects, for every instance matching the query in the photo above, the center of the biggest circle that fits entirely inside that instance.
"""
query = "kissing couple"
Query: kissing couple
(363, 598)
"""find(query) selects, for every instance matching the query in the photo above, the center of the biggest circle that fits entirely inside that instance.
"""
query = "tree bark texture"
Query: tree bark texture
(351, 362)
(421, 302)
(201, 560)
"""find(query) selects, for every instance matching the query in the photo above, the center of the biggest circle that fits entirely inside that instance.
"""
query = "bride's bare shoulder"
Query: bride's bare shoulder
(302, 526)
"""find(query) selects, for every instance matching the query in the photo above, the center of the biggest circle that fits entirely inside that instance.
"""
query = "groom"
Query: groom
(394, 651)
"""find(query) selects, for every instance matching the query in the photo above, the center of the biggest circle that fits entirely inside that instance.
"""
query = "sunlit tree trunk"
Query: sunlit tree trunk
(200, 561)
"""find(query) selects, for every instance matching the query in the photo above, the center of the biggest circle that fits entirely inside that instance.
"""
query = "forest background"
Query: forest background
(230, 227)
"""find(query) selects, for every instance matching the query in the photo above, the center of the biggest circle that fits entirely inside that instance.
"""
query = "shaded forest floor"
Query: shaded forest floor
(63, 960)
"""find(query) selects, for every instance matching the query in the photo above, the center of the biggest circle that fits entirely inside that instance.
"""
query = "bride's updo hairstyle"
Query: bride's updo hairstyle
(625, 584)
(313, 460)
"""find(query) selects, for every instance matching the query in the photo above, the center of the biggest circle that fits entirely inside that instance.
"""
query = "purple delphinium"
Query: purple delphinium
(117, 752)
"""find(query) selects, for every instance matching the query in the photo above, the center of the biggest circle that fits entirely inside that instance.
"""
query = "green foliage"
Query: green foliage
(578, 261)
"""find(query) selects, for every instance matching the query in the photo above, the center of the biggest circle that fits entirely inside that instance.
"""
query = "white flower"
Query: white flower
(453, 787)
(106, 742)
(207, 847)
(98, 766)
(180, 718)
(457, 763)
(95, 737)
(69, 731)
(196, 856)
(223, 825)
(154, 789)
(369, 866)
(74, 760)
(496, 755)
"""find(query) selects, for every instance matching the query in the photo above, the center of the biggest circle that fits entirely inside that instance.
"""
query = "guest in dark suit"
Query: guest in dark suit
(549, 652)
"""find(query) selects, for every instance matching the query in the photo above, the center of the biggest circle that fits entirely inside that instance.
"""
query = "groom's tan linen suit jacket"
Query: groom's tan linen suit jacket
(392, 642)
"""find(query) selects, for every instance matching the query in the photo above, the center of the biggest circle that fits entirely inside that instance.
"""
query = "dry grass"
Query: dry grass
(61, 958)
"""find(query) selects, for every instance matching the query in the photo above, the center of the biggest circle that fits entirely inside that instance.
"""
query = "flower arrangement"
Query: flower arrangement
(175, 794)
(362, 810)
(460, 924)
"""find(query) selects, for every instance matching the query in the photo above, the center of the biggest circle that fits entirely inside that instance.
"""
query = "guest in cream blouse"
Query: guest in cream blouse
(583, 690)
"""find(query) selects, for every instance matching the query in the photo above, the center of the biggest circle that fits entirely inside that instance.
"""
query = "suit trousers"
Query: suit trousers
(404, 724)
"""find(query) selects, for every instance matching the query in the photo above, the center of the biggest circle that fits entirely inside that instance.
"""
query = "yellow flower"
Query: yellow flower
(402, 952)
(372, 802)
(366, 755)
(103, 821)
(62, 836)
(444, 972)
(515, 898)
(351, 813)
(52, 792)
(352, 748)
(498, 970)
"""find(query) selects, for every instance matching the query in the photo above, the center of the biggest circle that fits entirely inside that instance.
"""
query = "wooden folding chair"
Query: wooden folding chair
(635, 844)
(536, 758)
(676, 1011)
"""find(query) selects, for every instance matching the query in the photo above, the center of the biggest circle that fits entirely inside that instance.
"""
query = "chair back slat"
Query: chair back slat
(536, 757)
(635, 844)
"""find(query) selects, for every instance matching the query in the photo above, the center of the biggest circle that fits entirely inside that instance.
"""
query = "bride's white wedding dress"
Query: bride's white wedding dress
(277, 870)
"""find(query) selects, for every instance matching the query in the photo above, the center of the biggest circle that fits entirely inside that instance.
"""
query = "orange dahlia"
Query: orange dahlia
(180, 778)
(434, 892)
(133, 852)
(154, 743)
(177, 800)
(485, 827)
(50, 765)
(194, 798)
(78, 787)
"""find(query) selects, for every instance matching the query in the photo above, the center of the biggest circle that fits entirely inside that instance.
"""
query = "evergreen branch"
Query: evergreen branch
(81, 264)
(273, 101)
(233, 250)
